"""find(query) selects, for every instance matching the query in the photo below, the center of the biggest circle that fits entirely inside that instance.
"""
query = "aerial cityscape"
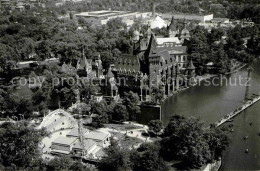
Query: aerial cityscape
(129, 85)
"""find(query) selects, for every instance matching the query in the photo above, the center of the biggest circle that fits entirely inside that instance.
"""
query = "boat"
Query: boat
(230, 125)
(246, 151)
(250, 123)
(245, 137)
(232, 130)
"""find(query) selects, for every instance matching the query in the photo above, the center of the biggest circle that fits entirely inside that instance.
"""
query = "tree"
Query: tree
(215, 35)
(40, 100)
(218, 141)
(78, 166)
(43, 49)
(186, 144)
(146, 158)
(16, 105)
(115, 24)
(87, 91)
(19, 144)
(155, 126)
(187, 140)
(59, 163)
(115, 159)
(131, 101)
(120, 113)
(158, 94)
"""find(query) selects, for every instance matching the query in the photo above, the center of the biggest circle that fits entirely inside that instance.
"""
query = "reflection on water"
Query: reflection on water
(211, 103)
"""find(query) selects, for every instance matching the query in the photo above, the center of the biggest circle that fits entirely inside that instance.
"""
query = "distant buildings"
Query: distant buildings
(102, 17)
(20, 5)
(225, 23)
(189, 17)
(157, 22)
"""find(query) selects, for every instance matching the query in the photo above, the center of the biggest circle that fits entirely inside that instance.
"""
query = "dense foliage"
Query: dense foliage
(19, 145)
(185, 142)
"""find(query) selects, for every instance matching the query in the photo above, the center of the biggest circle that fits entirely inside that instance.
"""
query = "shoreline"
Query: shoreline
(237, 69)
(201, 78)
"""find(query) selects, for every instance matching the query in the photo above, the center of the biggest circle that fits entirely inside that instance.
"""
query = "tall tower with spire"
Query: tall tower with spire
(80, 132)
(172, 28)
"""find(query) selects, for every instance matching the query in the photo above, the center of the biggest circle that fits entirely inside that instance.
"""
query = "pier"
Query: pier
(229, 116)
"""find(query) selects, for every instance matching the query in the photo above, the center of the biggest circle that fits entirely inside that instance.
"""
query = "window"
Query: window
(161, 63)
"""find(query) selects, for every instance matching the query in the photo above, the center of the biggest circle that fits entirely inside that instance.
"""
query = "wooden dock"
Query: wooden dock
(237, 111)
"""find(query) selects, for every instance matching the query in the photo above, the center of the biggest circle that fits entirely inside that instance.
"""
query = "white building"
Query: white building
(158, 22)
(191, 17)
(103, 16)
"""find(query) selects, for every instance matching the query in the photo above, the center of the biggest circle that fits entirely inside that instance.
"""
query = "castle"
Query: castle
(155, 62)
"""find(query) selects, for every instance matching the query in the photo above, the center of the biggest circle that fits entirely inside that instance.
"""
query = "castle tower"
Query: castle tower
(185, 34)
(136, 36)
(191, 73)
(172, 28)
(148, 33)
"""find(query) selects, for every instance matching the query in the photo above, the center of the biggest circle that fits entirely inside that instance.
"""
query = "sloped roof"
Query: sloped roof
(128, 62)
(158, 22)
(191, 66)
(172, 25)
(180, 48)
(96, 135)
(87, 144)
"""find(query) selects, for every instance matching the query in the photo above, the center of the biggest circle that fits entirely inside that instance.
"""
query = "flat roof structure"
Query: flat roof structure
(195, 17)
(162, 40)
(95, 135)
(104, 14)
(64, 140)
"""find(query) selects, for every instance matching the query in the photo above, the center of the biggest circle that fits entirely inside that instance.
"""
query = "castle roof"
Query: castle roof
(110, 73)
(172, 25)
(191, 66)
(128, 62)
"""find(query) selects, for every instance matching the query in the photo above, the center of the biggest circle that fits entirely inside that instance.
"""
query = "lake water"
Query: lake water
(212, 102)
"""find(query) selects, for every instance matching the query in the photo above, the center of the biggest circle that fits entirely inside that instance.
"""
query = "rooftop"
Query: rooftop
(128, 62)
(103, 13)
(74, 132)
(64, 140)
(96, 135)
(162, 40)
(87, 144)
